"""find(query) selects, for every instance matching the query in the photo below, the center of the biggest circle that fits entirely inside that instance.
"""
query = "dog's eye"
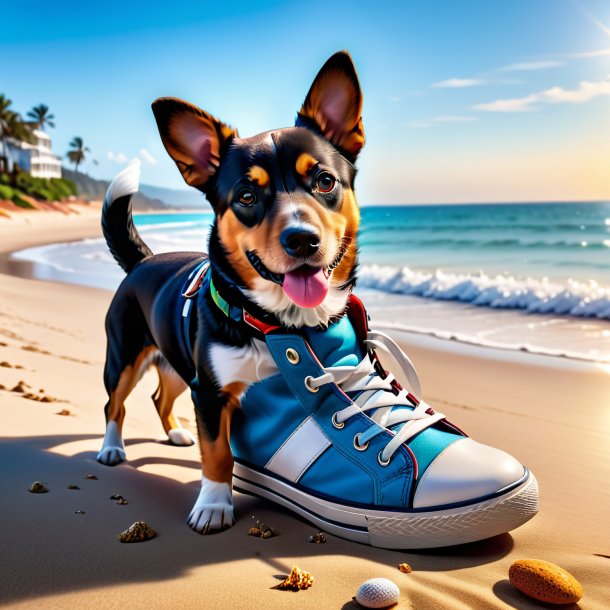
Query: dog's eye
(325, 182)
(246, 198)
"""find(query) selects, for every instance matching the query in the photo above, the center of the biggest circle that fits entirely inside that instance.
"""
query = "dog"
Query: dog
(282, 250)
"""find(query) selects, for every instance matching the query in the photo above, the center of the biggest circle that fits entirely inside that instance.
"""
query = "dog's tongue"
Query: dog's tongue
(306, 286)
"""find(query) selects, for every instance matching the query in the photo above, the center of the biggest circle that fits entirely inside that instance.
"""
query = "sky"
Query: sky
(464, 100)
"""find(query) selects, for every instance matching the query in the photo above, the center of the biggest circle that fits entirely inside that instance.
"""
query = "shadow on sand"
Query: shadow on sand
(49, 548)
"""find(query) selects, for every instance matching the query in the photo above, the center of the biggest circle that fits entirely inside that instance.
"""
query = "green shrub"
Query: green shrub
(5, 179)
(22, 203)
(6, 192)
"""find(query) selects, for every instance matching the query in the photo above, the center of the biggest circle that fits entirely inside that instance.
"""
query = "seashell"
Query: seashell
(296, 580)
(91, 477)
(267, 534)
(377, 593)
(318, 538)
(122, 501)
(38, 487)
(137, 532)
(255, 531)
(405, 568)
(73, 486)
(544, 581)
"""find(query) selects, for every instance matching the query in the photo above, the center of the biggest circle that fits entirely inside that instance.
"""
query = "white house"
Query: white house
(37, 159)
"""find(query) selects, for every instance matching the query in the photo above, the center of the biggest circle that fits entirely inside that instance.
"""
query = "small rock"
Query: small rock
(137, 532)
(2, 387)
(6, 365)
(20, 387)
(405, 568)
(255, 531)
(318, 538)
(79, 512)
(261, 530)
(47, 399)
(122, 501)
(18, 366)
(63, 412)
(377, 593)
(116, 497)
(38, 487)
(90, 477)
(297, 579)
(73, 486)
(545, 581)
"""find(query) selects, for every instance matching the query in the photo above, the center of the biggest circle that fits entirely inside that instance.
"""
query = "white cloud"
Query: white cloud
(555, 95)
(531, 65)
(457, 83)
(146, 156)
(597, 53)
(117, 158)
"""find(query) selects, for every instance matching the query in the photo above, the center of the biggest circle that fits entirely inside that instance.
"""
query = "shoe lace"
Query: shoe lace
(382, 395)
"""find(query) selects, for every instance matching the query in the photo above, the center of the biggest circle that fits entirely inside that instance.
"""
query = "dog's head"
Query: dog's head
(286, 215)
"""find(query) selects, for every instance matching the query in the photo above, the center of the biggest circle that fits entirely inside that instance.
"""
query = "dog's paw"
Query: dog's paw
(213, 510)
(111, 456)
(180, 436)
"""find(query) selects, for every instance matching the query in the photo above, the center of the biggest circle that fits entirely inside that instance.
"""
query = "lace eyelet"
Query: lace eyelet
(357, 444)
(292, 356)
(336, 423)
(380, 459)
(309, 387)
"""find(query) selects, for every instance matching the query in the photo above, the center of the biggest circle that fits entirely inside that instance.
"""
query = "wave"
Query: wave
(533, 295)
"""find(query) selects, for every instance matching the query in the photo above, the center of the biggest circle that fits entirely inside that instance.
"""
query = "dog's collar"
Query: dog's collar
(201, 279)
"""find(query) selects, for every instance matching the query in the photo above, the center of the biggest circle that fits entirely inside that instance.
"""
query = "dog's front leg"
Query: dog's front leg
(213, 510)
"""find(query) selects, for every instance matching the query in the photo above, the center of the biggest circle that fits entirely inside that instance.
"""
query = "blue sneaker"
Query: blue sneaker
(336, 439)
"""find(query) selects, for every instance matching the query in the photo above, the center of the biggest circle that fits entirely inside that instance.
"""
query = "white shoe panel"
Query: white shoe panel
(464, 471)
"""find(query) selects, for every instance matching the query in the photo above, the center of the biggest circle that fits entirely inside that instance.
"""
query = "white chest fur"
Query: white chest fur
(246, 365)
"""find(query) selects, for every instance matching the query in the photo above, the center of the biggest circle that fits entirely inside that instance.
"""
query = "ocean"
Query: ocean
(547, 263)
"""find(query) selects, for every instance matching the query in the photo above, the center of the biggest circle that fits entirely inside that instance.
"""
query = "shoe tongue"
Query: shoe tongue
(306, 286)
(337, 345)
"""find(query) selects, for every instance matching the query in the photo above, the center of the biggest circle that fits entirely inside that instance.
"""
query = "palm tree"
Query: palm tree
(76, 154)
(41, 116)
(12, 126)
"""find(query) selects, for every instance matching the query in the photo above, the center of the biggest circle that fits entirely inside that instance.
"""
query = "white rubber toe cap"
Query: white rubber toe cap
(466, 470)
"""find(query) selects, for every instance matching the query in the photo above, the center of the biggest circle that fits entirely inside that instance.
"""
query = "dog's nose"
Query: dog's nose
(299, 242)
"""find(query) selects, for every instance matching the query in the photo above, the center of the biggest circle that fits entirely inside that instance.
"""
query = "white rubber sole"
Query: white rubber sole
(399, 530)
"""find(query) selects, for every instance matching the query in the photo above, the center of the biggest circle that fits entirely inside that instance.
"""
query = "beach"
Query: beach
(550, 412)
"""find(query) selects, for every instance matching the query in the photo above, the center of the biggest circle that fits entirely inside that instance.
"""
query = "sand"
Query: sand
(551, 413)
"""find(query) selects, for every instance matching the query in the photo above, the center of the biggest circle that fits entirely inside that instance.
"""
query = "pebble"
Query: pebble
(377, 593)
(544, 581)
(297, 580)
(90, 477)
(318, 538)
(405, 568)
(73, 486)
(137, 532)
(38, 487)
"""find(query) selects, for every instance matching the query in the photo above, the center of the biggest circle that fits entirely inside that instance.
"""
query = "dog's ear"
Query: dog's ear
(194, 139)
(334, 105)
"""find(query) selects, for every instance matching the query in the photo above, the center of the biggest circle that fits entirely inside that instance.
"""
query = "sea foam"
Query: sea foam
(533, 295)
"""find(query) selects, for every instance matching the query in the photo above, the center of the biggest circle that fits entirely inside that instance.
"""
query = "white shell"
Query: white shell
(377, 593)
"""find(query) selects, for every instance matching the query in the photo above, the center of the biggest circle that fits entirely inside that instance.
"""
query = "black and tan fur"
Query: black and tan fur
(262, 189)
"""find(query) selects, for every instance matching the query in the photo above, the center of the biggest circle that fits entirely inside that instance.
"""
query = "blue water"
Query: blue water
(545, 258)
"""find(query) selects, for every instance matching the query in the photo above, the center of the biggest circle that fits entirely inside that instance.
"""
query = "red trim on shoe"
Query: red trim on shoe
(357, 314)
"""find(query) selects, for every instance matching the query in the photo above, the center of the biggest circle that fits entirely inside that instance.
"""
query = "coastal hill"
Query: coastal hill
(148, 197)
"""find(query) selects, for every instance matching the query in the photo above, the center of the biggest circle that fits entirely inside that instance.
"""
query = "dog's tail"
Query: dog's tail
(122, 237)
